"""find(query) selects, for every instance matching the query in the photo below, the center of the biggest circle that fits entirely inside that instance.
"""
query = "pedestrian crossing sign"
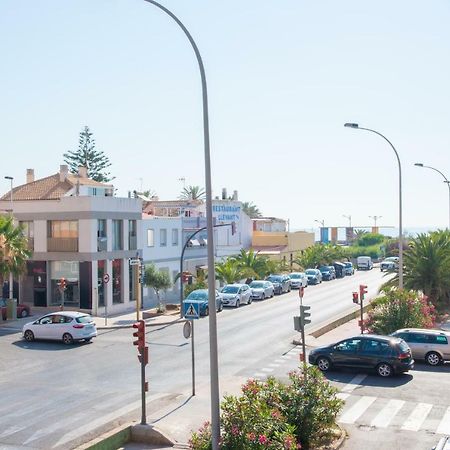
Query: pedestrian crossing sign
(191, 310)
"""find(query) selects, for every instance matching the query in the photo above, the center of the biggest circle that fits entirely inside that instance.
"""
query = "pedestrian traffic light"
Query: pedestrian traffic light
(233, 228)
(62, 284)
(190, 278)
(185, 277)
(355, 297)
(304, 314)
(362, 291)
(139, 334)
(143, 353)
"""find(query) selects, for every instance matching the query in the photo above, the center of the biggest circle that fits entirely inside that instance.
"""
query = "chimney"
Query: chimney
(235, 196)
(224, 193)
(82, 172)
(30, 175)
(63, 172)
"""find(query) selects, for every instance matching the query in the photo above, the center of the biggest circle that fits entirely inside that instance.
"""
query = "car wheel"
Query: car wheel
(206, 311)
(433, 359)
(249, 302)
(384, 370)
(67, 339)
(28, 335)
(238, 303)
(220, 307)
(323, 363)
(263, 297)
(24, 313)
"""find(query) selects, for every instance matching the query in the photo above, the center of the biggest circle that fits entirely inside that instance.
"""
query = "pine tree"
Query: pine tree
(95, 161)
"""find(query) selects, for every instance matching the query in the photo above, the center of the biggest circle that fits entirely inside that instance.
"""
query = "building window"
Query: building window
(174, 237)
(132, 235)
(117, 281)
(117, 233)
(70, 271)
(62, 228)
(101, 235)
(162, 237)
(150, 237)
(28, 233)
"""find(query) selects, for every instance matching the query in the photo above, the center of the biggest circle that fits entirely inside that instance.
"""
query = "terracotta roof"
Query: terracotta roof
(49, 188)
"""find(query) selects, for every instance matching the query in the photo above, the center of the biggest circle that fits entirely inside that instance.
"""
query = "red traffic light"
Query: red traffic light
(362, 291)
(355, 297)
(139, 334)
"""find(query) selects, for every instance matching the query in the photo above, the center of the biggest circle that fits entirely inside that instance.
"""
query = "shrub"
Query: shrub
(400, 309)
(273, 415)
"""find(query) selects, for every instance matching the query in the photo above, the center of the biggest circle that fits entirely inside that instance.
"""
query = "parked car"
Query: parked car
(349, 269)
(22, 310)
(340, 269)
(433, 346)
(201, 296)
(443, 444)
(389, 264)
(236, 294)
(262, 289)
(386, 354)
(281, 283)
(298, 280)
(364, 263)
(66, 326)
(327, 273)
(314, 276)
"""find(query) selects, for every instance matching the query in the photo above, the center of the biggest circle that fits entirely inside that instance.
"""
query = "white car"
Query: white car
(262, 289)
(236, 294)
(298, 280)
(389, 264)
(66, 326)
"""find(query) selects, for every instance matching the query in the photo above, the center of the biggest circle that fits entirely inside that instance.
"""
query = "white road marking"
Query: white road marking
(354, 383)
(444, 426)
(342, 395)
(357, 409)
(384, 417)
(267, 369)
(279, 361)
(274, 365)
(417, 417)
(259, 375)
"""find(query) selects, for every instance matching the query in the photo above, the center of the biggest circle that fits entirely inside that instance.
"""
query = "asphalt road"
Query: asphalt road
(53, 394)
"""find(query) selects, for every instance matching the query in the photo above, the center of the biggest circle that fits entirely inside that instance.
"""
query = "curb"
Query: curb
(148, 323)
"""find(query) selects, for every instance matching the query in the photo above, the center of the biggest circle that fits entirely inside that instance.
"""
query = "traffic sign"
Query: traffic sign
(106, 278)
(191, 310)
(187, 329)
(135, 262)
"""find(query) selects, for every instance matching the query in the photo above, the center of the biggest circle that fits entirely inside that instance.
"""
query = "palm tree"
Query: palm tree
(193, 193)
(252, 264)
(319, 255)
(229, 271)
(13, 249)
(251, 210)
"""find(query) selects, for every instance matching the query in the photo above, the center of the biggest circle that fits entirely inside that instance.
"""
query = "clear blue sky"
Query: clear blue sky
(283, 77)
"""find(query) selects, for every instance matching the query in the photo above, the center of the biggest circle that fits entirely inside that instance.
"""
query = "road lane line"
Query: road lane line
(444, 426)
(274, 365)
(342, 395)
(417, 417)
(267, 369)
(357, 409)
(354, 383)
(384, 417)
(259, 375)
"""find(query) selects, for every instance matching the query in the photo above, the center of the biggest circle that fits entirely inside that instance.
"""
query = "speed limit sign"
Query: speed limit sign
(301, 291)
(106, 278)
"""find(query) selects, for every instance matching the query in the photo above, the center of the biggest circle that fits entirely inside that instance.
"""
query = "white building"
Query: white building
(78, 232)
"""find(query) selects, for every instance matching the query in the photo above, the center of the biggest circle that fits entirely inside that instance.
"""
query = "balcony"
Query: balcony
(62, 244)
(30, 244)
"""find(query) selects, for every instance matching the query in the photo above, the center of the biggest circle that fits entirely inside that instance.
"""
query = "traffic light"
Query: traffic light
(362, 291)
(141, 273)
(304, 314)
(233, 228)
(185, 277)
(143, 353)
(139, 334)
(190, 278)
(355, 297)
(62, 284)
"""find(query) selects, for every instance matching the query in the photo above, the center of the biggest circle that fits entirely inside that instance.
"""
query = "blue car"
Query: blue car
(201, 296)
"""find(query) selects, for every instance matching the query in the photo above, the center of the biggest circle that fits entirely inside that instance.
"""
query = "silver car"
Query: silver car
(433, 346)
(236, 294)
(262, 289)
(298, 280)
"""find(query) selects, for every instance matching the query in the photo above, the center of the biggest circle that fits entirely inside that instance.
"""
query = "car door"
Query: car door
(345, 353)
(58, 326)
(42, 328)
(245, 294)
(370, 353)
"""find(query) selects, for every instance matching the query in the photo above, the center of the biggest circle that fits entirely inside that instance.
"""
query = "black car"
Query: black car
(281, 283)
(386, 354)
(328, 273)
(340, 269)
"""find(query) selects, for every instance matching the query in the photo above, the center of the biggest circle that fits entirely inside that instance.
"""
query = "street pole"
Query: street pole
(302, 331)
(400, 207)
(445, 181)
(214, 364)
(11, 279)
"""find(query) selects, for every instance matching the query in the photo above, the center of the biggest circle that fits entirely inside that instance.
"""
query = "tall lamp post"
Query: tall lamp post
(400, 212)
(349, 217)
(375, 218)
(446, 181)
(11, 279)
(214, 365)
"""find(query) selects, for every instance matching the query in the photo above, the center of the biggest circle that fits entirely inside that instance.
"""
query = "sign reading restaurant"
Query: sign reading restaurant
(227, 213)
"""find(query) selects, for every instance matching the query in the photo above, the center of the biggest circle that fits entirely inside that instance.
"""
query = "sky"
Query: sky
(283, 77)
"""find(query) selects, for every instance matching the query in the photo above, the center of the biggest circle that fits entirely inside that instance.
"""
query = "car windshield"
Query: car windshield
(324, 269)
(391, 258)
(84, 319)
(230, 289)
(310, 272)
(274, 279)
(294, 276)
(197, 295)
(256, 284)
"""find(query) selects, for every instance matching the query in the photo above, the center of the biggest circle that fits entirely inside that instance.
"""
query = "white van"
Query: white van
(364, 263)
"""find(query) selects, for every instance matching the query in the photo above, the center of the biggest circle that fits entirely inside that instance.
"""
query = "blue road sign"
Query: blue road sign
(191, 310)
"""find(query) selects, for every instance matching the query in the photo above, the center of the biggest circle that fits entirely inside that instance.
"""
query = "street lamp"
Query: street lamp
(400, 213)
(375, 218)
(11, 280)
(213, 358)
(349, 217)
(322, 222)
(446, 181)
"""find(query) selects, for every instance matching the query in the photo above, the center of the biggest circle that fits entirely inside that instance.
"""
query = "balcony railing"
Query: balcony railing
(30, 244)
(62, 244)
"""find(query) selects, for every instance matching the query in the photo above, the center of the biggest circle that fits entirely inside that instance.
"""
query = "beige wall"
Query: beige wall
(269, 239)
